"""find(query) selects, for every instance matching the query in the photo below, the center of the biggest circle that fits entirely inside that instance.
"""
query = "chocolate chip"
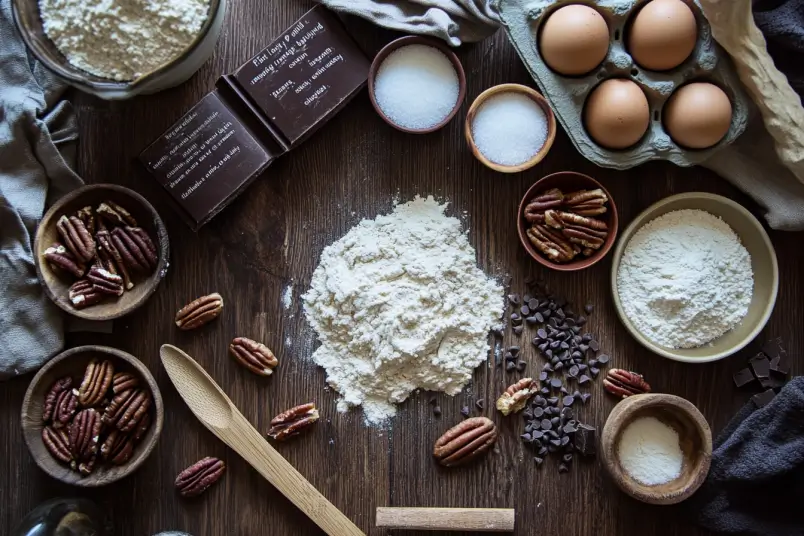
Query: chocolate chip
(602, 359)
(524, 310)
(539, 401)
(465, 411)
(537, 434)
(569, 428)
(542, 334)
(582, 367)
(563, 468)
(517, 330)
(574, 370)
(543, 376)
(555, 383)
(568, 400)
(585, 397)
(594, 346)
(508, 356)
(565, 441)
(538, 317)
(567, 458)
(564, 391)
(547, 367)
(576, 355)
(576, 394)
(552, 400)
(584, 379)
(538, 460)
(555, 442)
(520, 366)
(513, 298)
(542, 347)
(587, 337)
(546, 424)
(555, 421)
(480, 404)
(760, 365)
(437, 411)
(533, 303)
(531, 321)
(594, 372)
(743, 377)
(537, 413)
(510, 366)
(526, 298)
(593, 362)
(583, 348)
(515, 318)
(589, 308)
(525, 437)
(545, 390)
(763, 399)
(542, 451)
(581, 321)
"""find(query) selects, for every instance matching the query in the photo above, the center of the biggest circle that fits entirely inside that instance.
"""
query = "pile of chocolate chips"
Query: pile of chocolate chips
(572, 357)
(768, 369)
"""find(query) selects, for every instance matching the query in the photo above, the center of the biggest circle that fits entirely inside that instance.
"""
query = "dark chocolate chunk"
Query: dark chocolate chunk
(517, 330)
(568, 400)
(514, 299)
(764, 398)
(465, 411)
(584, 379)
(760, 365)
(780, 365)
(585, 440)
(437, 411)
(743, 377)
(772, 382)
(773, 348)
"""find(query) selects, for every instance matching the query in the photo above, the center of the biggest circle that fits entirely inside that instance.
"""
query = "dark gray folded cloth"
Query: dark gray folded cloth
(756, 483)
(782, 24)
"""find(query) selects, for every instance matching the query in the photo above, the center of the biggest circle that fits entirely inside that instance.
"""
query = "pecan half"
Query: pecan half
(136, 248)
(516, 396)
(96, 382)
(586, 198)
(82, 294)
(534, 210)
(57, 442)
(141, 428)
(253, 355)
(293, 421)
(76, 238)
(465, 441)
(558, 219)
(552, 244)
(84, 434)
(123, 381)
(66, 404)
(198, 477)
(623, 383)
(86, 467)
(117, 448)
(127, 409)
(106, 249)
(87, 215)
(61, 259)
(60, 385)
(115, 214)
(105, 281)
(200, 311)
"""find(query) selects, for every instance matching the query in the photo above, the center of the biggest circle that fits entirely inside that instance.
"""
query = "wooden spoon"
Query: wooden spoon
(733, 27)
(215, 411)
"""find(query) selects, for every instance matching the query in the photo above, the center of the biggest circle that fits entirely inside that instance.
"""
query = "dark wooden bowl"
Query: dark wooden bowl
(533, 95)
(417, 40)
(695, 439)
(57, 285)
(567, 181)
(73, 363)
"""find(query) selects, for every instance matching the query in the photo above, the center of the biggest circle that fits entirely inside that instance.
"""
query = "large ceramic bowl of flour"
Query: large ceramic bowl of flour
(682, 283)
(121, 49)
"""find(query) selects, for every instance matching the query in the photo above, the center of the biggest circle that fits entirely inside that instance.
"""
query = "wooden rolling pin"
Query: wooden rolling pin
(733, 27)
(474, 519)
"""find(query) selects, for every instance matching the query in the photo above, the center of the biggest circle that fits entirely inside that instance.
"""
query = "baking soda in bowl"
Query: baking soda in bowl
(416, 87)
(509, 128)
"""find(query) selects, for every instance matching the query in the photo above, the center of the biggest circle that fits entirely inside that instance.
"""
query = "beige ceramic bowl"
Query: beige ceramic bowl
(763, 262)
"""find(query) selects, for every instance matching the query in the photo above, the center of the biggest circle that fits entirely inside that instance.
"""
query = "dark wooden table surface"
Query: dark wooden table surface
(272, 236)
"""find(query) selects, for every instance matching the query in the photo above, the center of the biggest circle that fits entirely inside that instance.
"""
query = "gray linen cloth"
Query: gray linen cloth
(750, 164)
(37, 147)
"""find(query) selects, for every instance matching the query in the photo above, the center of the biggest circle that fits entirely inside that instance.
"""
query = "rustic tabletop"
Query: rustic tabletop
(272, 236)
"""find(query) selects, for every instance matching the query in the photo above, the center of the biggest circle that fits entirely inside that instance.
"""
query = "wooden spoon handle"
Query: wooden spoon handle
(474, 519)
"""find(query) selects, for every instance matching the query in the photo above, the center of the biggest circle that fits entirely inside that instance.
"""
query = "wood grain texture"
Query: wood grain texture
(272, 237)
(447, 519)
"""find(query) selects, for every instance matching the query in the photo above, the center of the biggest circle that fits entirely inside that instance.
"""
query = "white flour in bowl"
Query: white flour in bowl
(399, 304)
(122, 39)
(685, 279)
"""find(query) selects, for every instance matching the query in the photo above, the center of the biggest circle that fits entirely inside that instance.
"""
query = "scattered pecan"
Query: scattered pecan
(123, 381)
(117, 448)
(200, 311)
(84, 434)
(96, 382)
(293, 421)
(516, 396)
(623, 383)
(115, 214)
(465, 441)
(106, 250)
(136, 248)
(76, 238)
(60, 385)
(83, 294)
(534, 210)
(127, 409)
(105, 281)
(253, 355)
(61, 259)
(198, 477)
(66, 404)
(57, 442)
(87, 215)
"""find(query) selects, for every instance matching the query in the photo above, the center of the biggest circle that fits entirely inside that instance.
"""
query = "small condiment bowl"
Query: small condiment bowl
(73, 363)
(567, 181)
(416, 40)
(528, 92)
(57, 286)
(695, 439)
(763, 262)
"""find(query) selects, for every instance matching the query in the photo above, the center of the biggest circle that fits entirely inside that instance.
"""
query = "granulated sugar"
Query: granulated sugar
(649, 451)
(509, 128)
(416, 87)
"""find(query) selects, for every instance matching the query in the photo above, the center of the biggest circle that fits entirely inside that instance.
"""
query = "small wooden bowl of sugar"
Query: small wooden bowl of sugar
(657, 448)
(510, 128)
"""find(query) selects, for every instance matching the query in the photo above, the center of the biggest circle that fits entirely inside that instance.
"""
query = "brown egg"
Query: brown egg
(697, 115)
(574, 40)
(662, 35)
(616, 114)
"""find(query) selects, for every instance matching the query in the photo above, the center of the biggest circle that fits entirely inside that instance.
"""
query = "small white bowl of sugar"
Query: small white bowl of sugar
(657, 448)
(416, 84)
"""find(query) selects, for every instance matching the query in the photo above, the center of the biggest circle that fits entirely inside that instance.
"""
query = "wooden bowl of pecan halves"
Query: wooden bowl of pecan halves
(567, 221)
(92, 415)
(101, 251)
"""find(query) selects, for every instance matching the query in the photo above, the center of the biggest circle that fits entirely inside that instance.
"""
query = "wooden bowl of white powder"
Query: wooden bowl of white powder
(657, 448)
(694, 277)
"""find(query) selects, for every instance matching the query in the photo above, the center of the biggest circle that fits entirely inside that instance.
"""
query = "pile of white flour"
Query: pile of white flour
(685, 279)
(399, 304)
(122, 39)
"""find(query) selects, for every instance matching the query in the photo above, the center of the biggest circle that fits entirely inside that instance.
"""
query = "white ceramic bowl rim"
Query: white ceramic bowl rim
(668, 352)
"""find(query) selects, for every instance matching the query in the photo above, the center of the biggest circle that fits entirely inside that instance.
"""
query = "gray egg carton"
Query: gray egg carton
(708, 62)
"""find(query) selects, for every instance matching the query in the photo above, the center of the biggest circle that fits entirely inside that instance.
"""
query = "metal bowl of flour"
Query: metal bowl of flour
(28, 20)
(763, 263)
